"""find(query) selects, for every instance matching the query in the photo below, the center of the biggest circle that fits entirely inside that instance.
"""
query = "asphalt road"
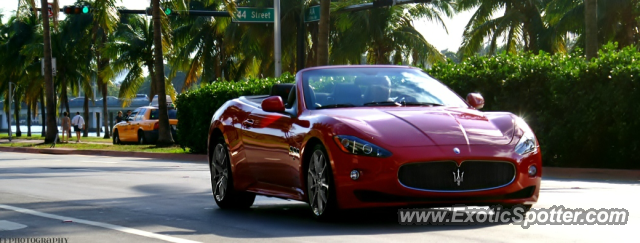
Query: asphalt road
(108, 199)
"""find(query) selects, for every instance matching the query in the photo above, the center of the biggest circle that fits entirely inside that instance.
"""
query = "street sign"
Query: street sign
(312, 14)
(53, 66)
(254, 15)
(50, 5)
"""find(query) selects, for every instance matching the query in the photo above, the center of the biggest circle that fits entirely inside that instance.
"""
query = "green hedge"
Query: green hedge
(196, 107)
(583, 113)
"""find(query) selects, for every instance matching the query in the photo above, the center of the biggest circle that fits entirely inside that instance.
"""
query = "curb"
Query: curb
(202, 158)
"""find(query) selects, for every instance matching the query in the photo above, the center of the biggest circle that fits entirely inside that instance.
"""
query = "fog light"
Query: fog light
(355, 175)
(533, 170)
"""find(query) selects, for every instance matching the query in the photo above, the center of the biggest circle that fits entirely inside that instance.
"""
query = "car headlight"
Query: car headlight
(527, 143)
(354, 145)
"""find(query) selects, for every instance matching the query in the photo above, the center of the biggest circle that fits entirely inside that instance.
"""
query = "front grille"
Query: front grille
(471, 175)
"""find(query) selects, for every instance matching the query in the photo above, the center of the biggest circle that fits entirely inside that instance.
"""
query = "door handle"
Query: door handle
(248, 123)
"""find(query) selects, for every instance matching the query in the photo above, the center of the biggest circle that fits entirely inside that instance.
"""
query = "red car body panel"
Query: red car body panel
(267, 150)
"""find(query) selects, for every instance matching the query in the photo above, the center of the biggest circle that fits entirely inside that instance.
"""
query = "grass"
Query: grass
(84, 146)
(72, 139)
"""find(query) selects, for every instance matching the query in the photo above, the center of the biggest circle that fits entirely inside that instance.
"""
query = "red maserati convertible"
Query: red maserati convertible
(346, 137)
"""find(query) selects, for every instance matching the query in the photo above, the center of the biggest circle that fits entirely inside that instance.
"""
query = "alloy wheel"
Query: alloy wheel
(317, 181)
(219, 172)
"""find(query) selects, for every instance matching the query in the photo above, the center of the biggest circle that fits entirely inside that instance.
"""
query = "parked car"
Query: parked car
(142, 126)
(347, 137)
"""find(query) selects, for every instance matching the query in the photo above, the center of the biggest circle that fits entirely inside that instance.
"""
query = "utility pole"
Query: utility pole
(276, 38)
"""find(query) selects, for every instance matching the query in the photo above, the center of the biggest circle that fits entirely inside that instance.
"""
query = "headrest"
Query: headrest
(281, 90)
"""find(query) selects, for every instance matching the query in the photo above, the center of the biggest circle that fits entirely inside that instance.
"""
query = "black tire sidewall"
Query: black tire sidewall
(232, 199)
(331, 209)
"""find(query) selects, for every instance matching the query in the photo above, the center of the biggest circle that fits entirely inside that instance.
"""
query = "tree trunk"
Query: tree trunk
(312, 57)
(16, 108)
(323, 33)
(105, 120)
(85, 132)
(102, 63)
(164, 133)
(52, 126)
(591, 28)
(154, 85)
(43, 114)
(29, 119)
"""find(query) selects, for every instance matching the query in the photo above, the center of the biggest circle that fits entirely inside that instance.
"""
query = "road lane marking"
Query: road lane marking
(8, 225)
(99, 224)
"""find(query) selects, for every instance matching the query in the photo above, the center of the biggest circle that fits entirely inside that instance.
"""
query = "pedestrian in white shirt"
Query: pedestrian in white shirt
(78, 125)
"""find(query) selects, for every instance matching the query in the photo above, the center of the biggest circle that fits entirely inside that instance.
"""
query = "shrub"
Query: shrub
(582, 112)
(196, 107)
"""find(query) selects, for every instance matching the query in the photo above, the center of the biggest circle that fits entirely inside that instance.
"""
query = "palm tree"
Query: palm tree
(521, 24)
(105, 20)
(164, 132)
(52, 127)
(133, 47)
(382, 33)
(17, 34)
(617, 21)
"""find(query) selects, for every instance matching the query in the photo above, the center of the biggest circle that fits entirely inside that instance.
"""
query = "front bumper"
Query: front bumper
(378, 185)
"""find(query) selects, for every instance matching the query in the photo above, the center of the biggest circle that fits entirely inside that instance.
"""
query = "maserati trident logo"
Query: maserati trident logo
(457, 178)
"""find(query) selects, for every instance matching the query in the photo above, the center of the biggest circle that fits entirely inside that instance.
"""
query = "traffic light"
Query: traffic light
(76, 9)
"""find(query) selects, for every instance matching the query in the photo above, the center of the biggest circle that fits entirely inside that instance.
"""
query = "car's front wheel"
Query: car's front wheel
(222, 181)
(320, 187)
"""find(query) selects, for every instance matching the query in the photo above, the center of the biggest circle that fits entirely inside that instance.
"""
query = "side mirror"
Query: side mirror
(273, 104)
(475, 100)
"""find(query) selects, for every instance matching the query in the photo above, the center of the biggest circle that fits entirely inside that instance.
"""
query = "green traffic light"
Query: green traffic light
(85, 9)
(167, 11)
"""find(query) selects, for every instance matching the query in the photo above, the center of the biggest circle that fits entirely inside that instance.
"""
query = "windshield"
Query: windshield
(366, 86)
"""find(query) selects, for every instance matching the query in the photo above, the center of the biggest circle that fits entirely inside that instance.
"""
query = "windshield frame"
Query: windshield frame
(306, 91)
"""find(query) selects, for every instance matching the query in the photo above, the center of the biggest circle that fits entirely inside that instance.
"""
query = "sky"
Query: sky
(433, 33)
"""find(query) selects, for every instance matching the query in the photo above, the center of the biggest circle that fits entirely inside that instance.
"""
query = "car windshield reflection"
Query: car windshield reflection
(365, 86)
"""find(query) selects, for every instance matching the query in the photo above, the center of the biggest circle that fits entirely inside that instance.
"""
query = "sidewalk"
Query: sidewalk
(200, 158)
(40, 141)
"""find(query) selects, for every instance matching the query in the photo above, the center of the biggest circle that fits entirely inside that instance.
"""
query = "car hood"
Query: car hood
(424, 126)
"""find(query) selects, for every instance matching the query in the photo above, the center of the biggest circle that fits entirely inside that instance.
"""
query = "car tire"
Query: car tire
(321, 190)
(116, 138)
(141, 138)
(224, 194)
